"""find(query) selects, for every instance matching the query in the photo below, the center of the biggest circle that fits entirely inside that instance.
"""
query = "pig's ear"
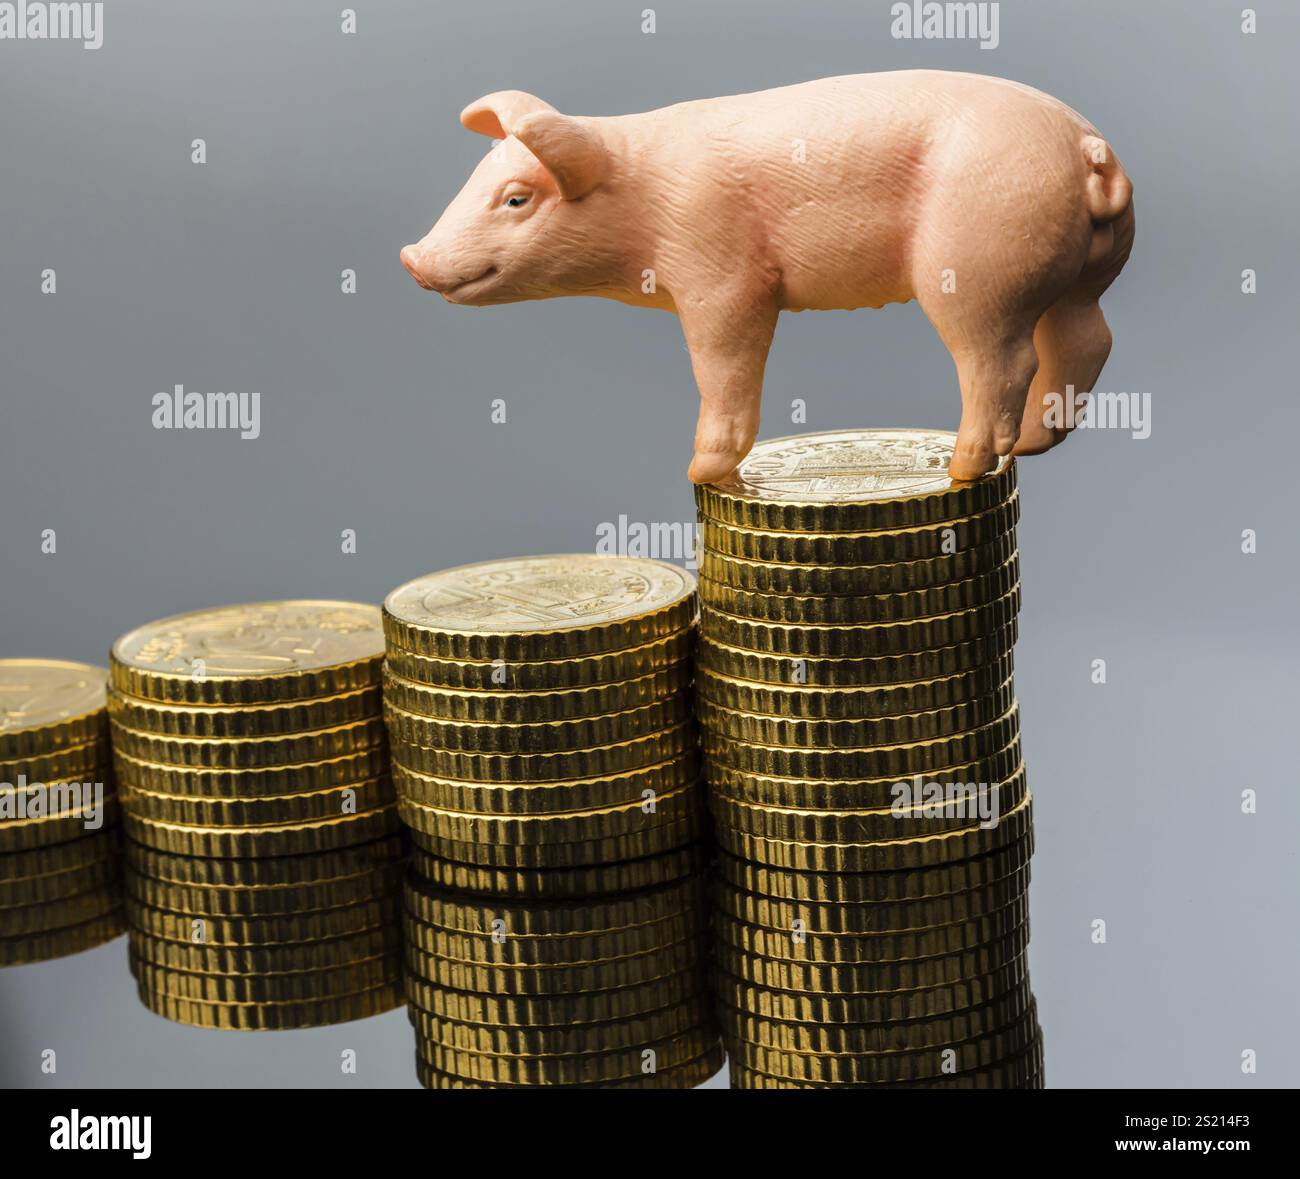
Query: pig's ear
(570, 150)
(496, 114)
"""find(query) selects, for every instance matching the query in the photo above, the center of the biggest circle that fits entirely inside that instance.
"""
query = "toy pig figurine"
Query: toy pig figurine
(996, 207)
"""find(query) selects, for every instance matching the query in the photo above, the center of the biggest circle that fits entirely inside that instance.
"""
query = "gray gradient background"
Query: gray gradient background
(326, 151)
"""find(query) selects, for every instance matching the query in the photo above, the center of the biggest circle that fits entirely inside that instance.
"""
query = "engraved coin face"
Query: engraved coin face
(37, 692)
(259, 639)
(540, 593)
(847, 465)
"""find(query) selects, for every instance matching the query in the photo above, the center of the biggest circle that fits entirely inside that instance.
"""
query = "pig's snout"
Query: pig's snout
(411, 259)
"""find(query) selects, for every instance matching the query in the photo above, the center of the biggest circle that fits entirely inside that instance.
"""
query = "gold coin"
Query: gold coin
(890, 547)
(811, 702)
(268, 810)
(569, 950)
(488, 915)
(513, 707)
(851, 480)
(535, 608)
(869, 1039)
(47, 705)
(198, 782)
(602, 975)
(877, 761)
(244, 753)
(601, 761)
(541, 798)
(870, 917)
(635, 845)
(841, 580)
(63, 765)
(19, 867)
(921, 851)
(558, 736)
(249, 720)
(197, 901)
(871, 978)
(1021, 1071)
(864, 793)
(924, 1003)
(29, 799)
(259, 653)
(347, 861)
(682, 1076)
(303, 958)
(862, 642)
(562, 883)
(523, 1041)
(886, 670)
(840, 949)
(57, 943)
(763, 729)
(271, 988)
(859, 610)
(878, 887)
(579, 1008)
(527, 676)
(316, 925)
(892, 1066)
(625, 820)
(964, 806)
(101, 875)
(60, 913)
(622, 1064)
(20, 835)
(298, 839)
(246, 1017)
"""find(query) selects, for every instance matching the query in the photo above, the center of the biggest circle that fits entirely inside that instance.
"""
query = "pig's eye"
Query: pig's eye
(516, 202)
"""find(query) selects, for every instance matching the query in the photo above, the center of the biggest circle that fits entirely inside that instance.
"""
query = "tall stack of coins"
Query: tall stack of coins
(862, 749)
(264, 852)
(60, 870)
(546, 762)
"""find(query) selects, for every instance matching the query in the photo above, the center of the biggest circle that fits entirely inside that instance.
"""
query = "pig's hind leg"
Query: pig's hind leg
(995, 377)
(1073, 342)
(986, 263)
(996, 361)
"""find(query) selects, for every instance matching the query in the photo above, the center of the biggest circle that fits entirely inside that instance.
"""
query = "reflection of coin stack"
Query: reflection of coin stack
(60, 872)
(263, 849)
(545, 760)
(862, 749)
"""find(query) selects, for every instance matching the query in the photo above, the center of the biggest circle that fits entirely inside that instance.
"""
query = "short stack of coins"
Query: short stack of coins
(862, 750)
(60, 853)
(546, 761)
(264, 853)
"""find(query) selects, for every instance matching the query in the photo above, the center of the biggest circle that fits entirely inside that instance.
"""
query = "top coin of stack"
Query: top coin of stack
(60, 872)
(539, 711)
(249, 745)
(862, 748)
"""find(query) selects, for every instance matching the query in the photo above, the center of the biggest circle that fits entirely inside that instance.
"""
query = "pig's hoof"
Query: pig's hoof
(968, 467)
(710, 466)
(1037, 443)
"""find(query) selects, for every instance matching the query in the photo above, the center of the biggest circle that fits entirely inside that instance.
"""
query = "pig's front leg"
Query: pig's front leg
(728, 335)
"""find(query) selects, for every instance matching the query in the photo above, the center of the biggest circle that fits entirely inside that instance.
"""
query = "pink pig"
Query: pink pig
(996, 207)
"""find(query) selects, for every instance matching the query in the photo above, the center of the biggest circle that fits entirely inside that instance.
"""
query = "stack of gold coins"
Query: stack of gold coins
(862, 749)
(60, 870)
(546, 762)
(607, 989)
(264, 852)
